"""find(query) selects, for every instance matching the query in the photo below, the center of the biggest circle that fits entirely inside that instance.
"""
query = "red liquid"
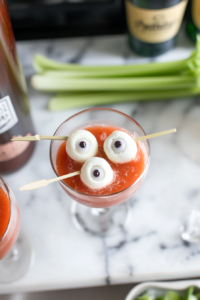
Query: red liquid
(4, 212)
(124, 174)
(8, 238)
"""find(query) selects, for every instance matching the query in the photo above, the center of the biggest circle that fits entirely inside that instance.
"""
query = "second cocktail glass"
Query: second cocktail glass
(100, 214)
(16, 253)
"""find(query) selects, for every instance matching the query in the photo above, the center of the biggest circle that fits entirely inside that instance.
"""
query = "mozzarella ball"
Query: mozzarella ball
(96, 173)
(120, 147)
(81, 145)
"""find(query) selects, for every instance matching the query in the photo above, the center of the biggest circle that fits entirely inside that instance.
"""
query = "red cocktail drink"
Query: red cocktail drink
(125, 174)
(15, 252)
(9, 219)
(128, 177)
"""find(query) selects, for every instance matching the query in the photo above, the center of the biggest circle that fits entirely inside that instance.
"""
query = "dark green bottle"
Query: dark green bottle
(153, 24)
(193, 23)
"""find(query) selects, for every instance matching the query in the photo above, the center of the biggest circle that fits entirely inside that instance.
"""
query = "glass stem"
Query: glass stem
(14, 253)
(99, 211)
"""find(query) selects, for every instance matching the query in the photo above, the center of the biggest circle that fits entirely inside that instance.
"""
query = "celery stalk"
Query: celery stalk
(101, 74)
(56, 84)
(71, 100)
(43, 64)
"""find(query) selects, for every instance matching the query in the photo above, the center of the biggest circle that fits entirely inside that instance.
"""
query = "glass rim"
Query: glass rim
(106, 195)
(9, 197)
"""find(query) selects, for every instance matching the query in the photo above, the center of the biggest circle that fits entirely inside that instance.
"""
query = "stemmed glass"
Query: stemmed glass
(16, 253)
(100, 214)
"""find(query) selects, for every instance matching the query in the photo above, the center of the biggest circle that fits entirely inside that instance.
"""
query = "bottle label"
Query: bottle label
(12, 149)
(155, 25)
(196, 13)
(8, 117)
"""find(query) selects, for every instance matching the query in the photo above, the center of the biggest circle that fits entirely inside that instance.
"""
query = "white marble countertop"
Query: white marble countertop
(151, 247)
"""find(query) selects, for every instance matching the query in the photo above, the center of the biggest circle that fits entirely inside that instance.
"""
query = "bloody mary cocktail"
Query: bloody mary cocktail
(125, 174)
(16, 254)
(9, 219)
(101, 122)
(4, 212)
(113, 166)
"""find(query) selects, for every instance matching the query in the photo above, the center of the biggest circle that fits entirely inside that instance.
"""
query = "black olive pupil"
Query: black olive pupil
(82, 144)
(96, 173)
(117, 144)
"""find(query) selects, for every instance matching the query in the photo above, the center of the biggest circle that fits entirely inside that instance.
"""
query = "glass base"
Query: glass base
(17, 262)
(100, 221)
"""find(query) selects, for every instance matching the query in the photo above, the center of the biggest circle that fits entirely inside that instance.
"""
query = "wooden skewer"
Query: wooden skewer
(150, 136)
(39, 137)
(41, 183)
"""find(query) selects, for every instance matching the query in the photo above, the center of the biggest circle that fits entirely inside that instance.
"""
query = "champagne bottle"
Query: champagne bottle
(193, 23)
(153, 24)
(15, 119)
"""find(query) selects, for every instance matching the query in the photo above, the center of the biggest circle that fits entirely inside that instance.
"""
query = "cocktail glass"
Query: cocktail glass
(16, 253)
(100, 214)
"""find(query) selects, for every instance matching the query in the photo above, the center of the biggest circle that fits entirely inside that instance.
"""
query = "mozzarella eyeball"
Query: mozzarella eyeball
(96, 173)
(81, 145)
(120, 147)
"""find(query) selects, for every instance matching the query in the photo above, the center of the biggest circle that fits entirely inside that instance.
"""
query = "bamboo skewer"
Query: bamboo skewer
(150, 136)
(39, 137)
(42, 183)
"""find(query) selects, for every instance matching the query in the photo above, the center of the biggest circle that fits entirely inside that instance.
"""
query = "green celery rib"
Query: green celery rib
(43, 64)
(54, 84)
(72, 100)
(107, 74)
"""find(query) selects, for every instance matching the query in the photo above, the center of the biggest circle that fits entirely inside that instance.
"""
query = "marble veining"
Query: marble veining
(150, 247)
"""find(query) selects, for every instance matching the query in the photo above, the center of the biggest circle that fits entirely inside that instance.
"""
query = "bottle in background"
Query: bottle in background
(15, 118)
(193, 23)
(153, 24)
